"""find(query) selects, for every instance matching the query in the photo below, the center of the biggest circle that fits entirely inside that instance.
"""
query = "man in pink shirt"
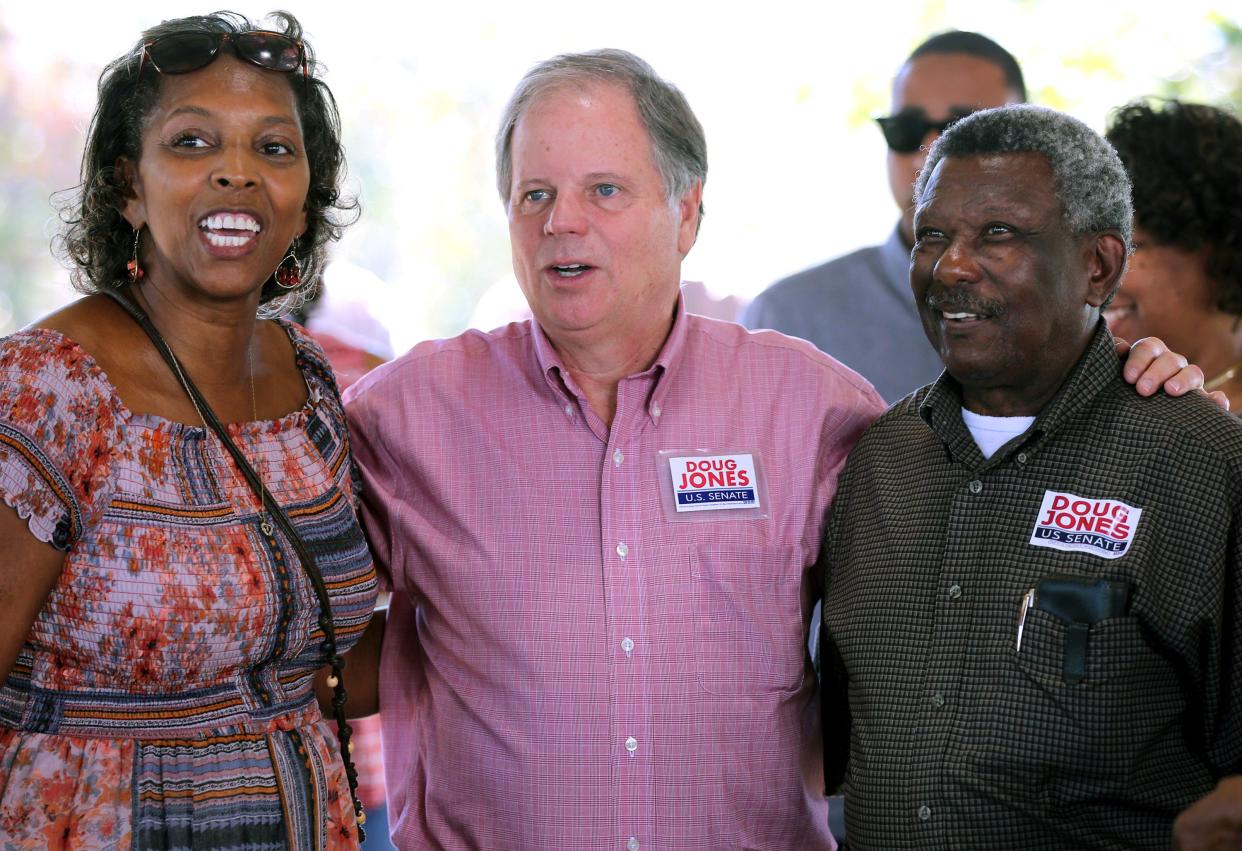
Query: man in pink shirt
(599, 526)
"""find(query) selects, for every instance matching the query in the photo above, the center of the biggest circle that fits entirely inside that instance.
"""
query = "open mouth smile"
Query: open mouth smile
(229, 230)
(962, 309)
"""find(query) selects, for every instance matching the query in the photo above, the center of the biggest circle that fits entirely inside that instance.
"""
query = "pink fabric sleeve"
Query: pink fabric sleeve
(60, 432)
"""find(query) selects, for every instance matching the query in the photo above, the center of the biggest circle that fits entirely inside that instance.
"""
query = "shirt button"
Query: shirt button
(622, 550)
(569, 410)
(627, 644)
(631, 744)
(924, 812)
(655, 409)
(618, 457)
(976, 486)
(1021, 457)
(955, 591)
(632, 845)
(937, 700)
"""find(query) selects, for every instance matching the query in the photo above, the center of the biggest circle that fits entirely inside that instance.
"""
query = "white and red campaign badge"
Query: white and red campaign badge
(714, 482)
(1102, 527)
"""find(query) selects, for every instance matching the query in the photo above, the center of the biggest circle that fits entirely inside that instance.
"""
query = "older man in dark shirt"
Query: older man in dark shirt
(1032, 592)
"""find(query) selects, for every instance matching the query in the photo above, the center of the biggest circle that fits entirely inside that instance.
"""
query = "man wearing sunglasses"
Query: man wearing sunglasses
(858, 308)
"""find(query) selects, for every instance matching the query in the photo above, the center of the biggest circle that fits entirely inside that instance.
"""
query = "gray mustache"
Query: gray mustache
(965, 302)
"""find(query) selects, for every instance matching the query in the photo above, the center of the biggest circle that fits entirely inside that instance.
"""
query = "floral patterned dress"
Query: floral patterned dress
(163, 696)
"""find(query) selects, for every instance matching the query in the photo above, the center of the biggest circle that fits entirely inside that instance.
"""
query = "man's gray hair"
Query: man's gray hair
(677, 141)
(1091, 182)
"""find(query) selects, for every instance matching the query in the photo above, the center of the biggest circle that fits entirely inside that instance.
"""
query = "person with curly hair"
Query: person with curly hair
(172, 586)
(1184, 283)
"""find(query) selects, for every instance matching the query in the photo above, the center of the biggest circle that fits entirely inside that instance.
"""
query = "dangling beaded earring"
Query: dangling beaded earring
(135, 270)
(289, 272)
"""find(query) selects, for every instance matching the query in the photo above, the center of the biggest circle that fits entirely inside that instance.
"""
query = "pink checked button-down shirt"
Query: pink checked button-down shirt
(569, 663)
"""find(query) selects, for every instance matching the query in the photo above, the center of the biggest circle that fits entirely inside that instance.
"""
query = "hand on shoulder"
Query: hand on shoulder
(1150, 366)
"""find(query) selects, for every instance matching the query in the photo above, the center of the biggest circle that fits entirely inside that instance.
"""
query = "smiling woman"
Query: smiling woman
(1185, 278)
(97, 242)
(166, 617)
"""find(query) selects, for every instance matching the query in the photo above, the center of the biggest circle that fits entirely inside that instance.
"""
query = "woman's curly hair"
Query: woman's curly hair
(96, 239)
(1185, 160)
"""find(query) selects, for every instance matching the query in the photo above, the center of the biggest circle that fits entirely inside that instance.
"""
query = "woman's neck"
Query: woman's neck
(213, 342)
(1217, 347)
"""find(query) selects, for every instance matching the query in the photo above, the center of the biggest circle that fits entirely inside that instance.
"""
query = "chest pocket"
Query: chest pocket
(1114, 650)
(1079, 726)
(749, 630)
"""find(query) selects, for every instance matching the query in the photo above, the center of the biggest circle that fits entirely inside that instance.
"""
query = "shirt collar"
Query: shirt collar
(1096, 369)
(563, 386)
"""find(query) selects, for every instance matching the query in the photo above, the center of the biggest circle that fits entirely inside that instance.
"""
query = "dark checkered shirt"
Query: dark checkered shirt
(961, 741)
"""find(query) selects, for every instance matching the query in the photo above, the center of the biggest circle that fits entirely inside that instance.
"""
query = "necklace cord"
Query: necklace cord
(1224, 378)
(335, 661)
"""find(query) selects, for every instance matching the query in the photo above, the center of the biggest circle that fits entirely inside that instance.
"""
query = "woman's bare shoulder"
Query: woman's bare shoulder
(94, 322)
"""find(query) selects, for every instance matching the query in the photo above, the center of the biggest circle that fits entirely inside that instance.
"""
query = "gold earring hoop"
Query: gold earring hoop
(289, 272)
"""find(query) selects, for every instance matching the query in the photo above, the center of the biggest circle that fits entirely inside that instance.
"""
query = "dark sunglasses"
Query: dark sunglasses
(181, 53)
(905, 131)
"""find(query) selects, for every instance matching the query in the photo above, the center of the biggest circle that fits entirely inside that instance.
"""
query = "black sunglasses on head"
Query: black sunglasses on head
(181, 53)
(905, 131)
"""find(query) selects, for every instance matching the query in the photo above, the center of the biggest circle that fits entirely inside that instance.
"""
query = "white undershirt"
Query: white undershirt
(991, 433)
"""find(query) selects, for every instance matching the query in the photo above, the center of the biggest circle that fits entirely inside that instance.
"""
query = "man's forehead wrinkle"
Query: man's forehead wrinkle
(987, 196)
(980, 208)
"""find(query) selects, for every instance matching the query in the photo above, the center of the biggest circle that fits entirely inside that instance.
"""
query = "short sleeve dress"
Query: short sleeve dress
(163, 698)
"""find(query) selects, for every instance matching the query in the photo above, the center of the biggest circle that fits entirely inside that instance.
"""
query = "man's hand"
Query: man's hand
(1151, 366)
(1214, 822)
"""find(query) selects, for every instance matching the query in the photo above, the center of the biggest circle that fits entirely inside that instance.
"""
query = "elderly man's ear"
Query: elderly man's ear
(1106, 264)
